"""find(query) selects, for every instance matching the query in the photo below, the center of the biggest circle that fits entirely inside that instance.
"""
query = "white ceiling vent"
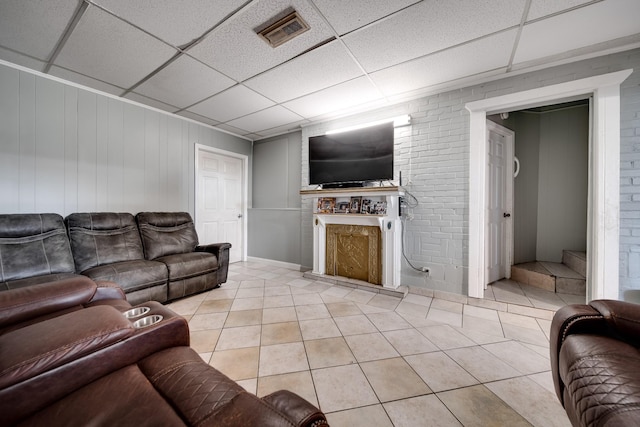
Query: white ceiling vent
(284, 29)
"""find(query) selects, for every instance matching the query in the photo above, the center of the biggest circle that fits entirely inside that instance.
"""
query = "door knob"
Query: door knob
(506, 215)
(239, 215)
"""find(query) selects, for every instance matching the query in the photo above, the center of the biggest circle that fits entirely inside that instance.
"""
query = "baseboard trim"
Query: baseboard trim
(273, 262)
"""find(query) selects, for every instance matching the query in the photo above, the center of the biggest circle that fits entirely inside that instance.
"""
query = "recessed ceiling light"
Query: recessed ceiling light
(284, 29)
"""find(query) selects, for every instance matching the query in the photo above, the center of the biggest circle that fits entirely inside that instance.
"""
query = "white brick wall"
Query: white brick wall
(433, 155)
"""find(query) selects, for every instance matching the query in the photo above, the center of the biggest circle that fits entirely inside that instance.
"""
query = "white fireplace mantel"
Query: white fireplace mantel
(390, 226)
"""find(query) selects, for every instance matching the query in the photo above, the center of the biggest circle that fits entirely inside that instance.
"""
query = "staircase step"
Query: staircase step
(575, 260)
(550, 276)
(533, 274)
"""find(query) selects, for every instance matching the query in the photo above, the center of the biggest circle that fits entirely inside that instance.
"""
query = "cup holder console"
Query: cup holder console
(136, 312)
(147, 321)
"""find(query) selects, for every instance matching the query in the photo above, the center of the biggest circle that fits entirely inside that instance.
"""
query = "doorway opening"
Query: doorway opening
(544, 215)
(603, 208)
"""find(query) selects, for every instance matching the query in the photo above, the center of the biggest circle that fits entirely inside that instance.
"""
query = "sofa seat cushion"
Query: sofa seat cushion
(183, 266)
(602, 379)
(130, 275)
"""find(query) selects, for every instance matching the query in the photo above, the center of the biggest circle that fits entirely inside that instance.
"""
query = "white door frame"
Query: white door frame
(509, 141)
(604, 170)
(245, 190)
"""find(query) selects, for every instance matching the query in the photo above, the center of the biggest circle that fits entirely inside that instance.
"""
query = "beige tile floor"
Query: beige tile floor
(369, 359)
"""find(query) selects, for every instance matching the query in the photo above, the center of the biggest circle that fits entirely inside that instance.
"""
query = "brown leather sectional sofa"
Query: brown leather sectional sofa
(595, 362)
(74, 352)
(152, 256)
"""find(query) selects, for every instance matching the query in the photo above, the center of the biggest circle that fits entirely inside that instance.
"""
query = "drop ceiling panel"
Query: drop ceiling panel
(237, 51)
(540, 8)
(346, 16)
(175, 22)
(430, 26)
(336, 98)
(198, 118)
(272, 117)
(151, 102)
(596, 23)
(323, 67)
(85, 80)
(476, 57)
(34, 27)
(235, 102)
(20, 59)
(184, 82)
(111, 50)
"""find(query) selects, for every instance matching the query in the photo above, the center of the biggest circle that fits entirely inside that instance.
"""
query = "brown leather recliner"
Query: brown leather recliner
(171, 238)
(107, 246)
(76, 359)
(595, 362)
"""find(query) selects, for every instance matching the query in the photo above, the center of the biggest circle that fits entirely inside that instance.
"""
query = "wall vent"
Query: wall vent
(284, 29)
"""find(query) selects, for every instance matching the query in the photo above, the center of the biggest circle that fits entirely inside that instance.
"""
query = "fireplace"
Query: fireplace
(367, 246)
(353, 251)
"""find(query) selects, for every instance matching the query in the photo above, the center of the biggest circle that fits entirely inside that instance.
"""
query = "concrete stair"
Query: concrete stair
(567, 277)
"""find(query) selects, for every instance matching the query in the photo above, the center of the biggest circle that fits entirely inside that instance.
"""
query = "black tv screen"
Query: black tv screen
(354, 156)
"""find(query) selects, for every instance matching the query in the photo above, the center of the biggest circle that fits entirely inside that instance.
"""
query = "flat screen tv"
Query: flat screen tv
(352, 157)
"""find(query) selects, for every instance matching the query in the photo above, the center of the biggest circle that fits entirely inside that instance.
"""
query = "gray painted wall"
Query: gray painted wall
(274, 219)
(563, 183)
(525, 188)
(64, 149)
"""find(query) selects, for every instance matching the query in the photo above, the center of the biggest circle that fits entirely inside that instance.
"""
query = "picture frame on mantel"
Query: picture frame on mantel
(326, 205)
(354, 206)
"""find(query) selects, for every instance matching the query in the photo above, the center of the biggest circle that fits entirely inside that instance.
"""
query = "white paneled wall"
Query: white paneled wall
(64, 149)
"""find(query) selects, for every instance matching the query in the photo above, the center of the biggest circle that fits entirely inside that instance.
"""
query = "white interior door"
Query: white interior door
(220, 200)
(499, 232)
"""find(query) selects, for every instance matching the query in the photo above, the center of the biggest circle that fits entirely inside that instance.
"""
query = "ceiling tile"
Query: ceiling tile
(111, 50)
(596, 23)
(289, 127)
(323, 67)
(472, 58)
(34, 27)
(430, 26)
(20, 59)
(272, 117)
(234, 130)
(232, 103)
(85, 80)
(175, 22)
(540, 8)
(151, 102)
(197, 118)
(237, 51)
(346, 16)
(184, 82)
(336, 98)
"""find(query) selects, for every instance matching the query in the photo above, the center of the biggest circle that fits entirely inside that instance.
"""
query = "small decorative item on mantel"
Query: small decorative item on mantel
(326, 205)
(365, 207)
(355, 204)
(343, 207)
(380, 208)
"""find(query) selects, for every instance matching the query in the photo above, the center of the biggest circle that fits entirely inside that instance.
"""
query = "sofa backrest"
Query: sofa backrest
(33, 245)
(166, 233)
(103, 238)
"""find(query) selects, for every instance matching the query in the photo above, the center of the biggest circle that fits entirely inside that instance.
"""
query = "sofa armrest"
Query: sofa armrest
(21, 304)
(214, 248)
(622, 319)
(108, 291)
(221, 251)
(296, 409)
